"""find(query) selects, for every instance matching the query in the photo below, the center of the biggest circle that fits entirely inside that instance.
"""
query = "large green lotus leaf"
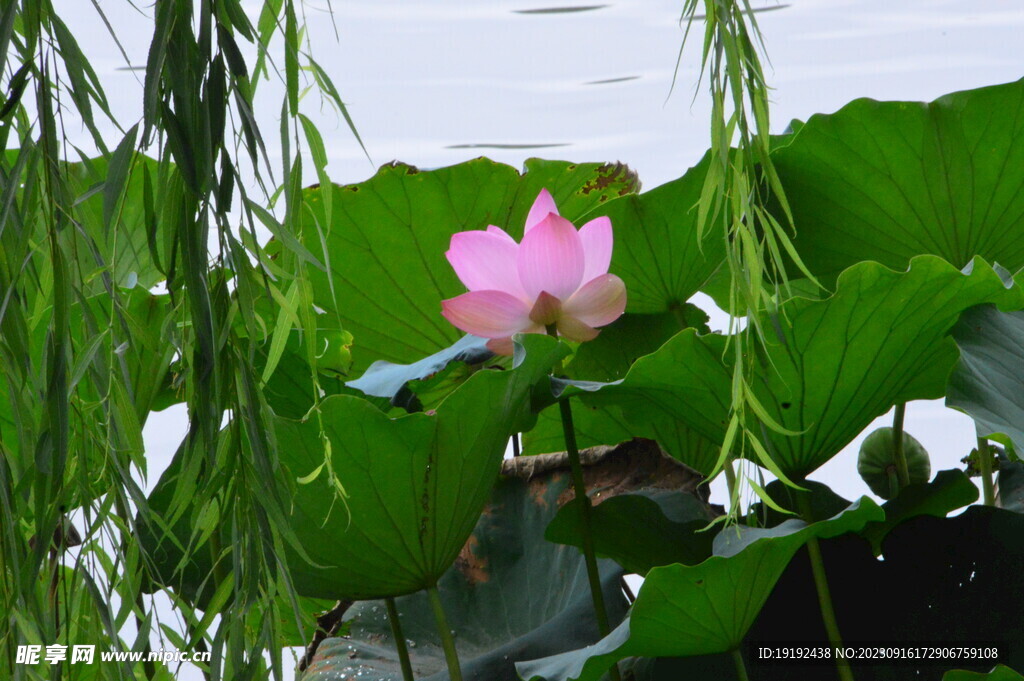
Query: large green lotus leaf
(657, 251)
(416, 484)
(950, 490)
(702, 609)
(593, 425)
(944, 581)
(290, 391)
(954, 579)
(609, 356)
(511, 596)
(822, 503)
(988, 381)
(125, 245)
(605, 424)
(832, 365)
(1011, 485)
(384, 245)
(641, 531)
(887, 181)
(999, 673)
(426, 393)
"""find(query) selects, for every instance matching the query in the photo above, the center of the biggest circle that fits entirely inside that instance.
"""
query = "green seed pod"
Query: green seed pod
(877, 463)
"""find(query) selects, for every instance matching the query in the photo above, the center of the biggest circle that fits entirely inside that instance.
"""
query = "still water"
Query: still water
(436, 83)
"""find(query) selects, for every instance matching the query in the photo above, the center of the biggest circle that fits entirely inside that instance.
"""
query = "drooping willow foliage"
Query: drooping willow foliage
(88, 352)
(739, 185)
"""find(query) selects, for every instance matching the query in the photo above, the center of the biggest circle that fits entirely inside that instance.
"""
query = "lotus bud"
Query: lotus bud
(877, 462)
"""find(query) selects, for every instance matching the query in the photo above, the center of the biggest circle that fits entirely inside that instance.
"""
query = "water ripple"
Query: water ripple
(609, 81)
(560, 10)
(498, 145)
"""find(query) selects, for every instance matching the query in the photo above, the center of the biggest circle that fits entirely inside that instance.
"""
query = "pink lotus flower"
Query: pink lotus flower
(556, 277)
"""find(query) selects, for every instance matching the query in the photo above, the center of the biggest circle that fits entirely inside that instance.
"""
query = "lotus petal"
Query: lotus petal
(596, 237)
(489, 314)
(575, 330)
(601, 301)
(486, 261)
(542, 206)
(551, 259)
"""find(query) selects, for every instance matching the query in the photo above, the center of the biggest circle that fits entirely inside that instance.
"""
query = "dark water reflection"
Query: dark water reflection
(498, 145)
(560, 10)
(609, 81)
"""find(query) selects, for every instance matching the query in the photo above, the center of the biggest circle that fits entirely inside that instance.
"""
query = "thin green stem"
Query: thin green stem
(828, 613)
(447, 640)
(400, 645)
(582, 502)
(741, 666)
(894, 482)
(988, 488)
(902, 472)
(730, 479)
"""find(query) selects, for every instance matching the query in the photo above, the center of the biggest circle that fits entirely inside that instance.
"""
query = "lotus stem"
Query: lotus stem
(988, 488)
(902, 471)
(741, 666)
(583, 504)
(828, 613)
(447, 640)
(894, 481)
(400, 645)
